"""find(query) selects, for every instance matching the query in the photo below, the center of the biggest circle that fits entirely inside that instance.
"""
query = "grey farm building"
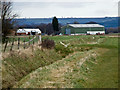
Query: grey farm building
(76, 29)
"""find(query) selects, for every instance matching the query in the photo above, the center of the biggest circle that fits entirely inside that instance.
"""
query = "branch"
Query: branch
(66, 45)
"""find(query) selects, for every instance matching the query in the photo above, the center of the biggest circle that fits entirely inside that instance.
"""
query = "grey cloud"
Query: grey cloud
(53, 4)
(31, 4)
(74, 4)
(102, 12)
(119, 8)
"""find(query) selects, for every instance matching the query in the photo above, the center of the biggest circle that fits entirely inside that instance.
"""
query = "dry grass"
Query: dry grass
(55, 78)
(20, 63)
(28, 51)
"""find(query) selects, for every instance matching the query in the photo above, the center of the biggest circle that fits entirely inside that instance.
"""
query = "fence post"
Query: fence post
(6, 45)
(33, 40)
(18, 42)
(12, 44)
(24, 43)
(40, 38)
(29, 39)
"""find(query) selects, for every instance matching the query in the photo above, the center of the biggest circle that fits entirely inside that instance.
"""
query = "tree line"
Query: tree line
(45, 28)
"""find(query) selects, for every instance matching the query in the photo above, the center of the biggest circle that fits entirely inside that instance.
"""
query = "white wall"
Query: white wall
(94, 32)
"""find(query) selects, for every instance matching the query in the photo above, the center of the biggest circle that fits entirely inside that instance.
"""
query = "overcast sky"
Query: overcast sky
(65, 8)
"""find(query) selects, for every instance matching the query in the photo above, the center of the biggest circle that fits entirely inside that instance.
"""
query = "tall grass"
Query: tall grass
(17, 66)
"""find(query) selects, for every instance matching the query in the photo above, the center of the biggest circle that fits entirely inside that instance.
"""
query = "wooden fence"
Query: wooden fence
(17, 42)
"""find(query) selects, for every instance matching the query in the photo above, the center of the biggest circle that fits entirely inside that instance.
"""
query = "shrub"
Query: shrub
(64, 51)
(47, 43)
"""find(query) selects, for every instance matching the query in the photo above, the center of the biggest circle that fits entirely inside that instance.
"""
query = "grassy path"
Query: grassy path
(96, 68)
(54, 75)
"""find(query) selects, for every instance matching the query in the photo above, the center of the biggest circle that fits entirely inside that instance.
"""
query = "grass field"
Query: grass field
(88, 62)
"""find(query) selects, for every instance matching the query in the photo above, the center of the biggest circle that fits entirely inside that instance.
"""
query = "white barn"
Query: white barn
(28, 31)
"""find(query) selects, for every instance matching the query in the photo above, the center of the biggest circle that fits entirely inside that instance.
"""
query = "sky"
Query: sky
(65, 8)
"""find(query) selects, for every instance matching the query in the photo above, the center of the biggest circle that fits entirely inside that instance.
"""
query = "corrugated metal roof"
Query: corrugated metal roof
(85, 25)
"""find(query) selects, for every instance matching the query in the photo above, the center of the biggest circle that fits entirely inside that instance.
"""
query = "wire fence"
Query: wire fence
(20, 42)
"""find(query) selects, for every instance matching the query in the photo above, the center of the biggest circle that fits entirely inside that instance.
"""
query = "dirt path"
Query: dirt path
(53, 76)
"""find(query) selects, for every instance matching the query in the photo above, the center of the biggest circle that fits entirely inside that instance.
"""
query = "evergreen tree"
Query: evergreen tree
(55, 25)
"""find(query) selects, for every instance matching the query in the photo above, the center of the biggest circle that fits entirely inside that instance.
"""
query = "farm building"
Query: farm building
(76, 29)
(28, 31)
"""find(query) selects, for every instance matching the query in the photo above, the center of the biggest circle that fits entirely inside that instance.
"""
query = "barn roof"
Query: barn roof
(85, 25)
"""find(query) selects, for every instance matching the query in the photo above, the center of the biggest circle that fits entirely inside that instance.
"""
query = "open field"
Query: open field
(88, 62)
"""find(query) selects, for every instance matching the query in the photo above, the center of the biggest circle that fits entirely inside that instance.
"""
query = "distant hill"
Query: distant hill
(91, 23)
(107, 21)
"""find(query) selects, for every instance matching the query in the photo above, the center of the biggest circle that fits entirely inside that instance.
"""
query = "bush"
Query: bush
(47, 43)
(64, 51)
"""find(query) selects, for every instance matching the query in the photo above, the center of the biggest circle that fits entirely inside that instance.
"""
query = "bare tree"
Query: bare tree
(7, 17)
(0, 24)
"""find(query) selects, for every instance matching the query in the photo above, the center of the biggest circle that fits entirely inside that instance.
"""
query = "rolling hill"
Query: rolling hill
(107, 21)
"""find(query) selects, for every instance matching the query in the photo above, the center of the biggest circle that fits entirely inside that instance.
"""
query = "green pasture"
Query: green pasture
(61, 66)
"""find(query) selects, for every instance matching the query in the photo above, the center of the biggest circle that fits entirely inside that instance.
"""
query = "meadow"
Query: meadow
(89, 61)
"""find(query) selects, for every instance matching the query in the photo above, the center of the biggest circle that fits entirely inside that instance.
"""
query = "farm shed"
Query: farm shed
(76, 29)
(28, 31)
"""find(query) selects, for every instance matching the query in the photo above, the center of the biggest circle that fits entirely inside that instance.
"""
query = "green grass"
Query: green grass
(70, 38)
(104, 74)
(101, 73)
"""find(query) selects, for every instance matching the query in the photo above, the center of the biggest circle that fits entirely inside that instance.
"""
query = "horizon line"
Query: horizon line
(67, 17)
